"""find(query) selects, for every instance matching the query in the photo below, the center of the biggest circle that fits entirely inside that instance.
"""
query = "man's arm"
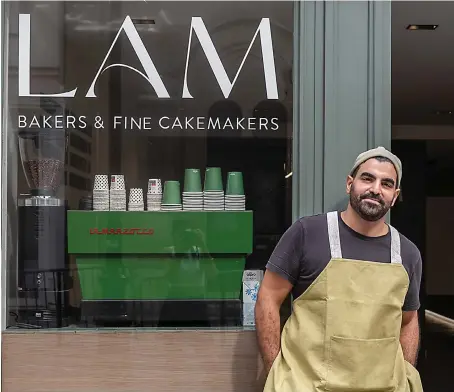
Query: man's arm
(282, 272)
(273, 291)
(409, 336)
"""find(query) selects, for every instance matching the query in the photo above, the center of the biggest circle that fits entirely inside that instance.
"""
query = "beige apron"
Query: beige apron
(343, 333)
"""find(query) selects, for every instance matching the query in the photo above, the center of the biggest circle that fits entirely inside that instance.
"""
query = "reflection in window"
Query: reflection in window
(152, 225)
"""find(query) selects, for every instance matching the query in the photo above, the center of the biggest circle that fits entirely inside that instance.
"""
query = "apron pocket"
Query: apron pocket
(361, 364)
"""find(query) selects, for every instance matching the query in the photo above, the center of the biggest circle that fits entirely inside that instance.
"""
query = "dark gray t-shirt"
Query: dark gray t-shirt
(303, 252)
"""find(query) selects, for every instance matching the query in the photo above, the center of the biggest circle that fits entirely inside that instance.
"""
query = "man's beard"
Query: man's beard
(367, 210)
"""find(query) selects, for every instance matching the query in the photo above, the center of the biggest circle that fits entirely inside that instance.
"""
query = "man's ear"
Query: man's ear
(349, 184)
(396, 197)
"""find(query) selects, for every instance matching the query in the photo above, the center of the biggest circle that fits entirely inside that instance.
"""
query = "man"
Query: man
(355, 282)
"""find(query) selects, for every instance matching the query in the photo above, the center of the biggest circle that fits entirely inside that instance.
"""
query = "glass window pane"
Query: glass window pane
(149, 156)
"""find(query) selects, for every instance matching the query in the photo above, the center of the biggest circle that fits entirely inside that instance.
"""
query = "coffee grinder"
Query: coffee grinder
(43, 263)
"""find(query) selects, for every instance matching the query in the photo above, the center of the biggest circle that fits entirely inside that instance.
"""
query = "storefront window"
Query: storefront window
(148, 165)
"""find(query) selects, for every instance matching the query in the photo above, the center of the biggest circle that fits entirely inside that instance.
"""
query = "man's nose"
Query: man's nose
(376, 187)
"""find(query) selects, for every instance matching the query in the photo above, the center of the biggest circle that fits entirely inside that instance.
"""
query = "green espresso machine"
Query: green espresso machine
(161, 268)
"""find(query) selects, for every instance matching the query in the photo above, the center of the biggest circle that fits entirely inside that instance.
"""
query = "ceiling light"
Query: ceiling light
(444, 112)
(421, 27)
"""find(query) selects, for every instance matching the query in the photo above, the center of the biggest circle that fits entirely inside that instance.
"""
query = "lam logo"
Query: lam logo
(150, 73)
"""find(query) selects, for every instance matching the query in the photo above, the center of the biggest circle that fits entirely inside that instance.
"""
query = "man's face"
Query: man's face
(373, 190)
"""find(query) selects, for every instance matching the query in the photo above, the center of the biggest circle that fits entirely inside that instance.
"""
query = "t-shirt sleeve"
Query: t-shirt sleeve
(286, 257)
(412, 301)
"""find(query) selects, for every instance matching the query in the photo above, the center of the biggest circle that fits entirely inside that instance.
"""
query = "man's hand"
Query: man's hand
(273, 291)
(409, 336)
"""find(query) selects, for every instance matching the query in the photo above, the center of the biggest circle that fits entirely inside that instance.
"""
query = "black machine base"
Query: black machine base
(162, 313)
(41, 309)
(43, 265)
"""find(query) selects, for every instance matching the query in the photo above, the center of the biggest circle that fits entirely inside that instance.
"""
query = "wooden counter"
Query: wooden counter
(131, 361)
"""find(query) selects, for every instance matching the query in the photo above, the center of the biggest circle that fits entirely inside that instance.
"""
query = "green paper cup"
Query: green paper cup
(171, 194)
(213, 179)
(192, 180)
(235, 183)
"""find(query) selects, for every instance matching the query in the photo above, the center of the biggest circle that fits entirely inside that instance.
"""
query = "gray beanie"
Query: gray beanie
(380, 152)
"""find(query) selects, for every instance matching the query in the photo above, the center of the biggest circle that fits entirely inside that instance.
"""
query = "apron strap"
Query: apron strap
(335, 245)
(396, 257)
(333, 235)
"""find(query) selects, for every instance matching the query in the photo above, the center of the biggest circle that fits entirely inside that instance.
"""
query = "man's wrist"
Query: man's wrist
(268, 362)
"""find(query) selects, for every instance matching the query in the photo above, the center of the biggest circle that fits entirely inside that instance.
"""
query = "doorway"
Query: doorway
(423, 138)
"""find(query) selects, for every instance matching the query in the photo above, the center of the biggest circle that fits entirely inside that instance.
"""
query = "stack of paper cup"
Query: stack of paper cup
(154, 194)
(192, 193)
(213, 194)
(171, 199)
(135, 199)
(235, 200)
(117, 193)
(101, 192)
